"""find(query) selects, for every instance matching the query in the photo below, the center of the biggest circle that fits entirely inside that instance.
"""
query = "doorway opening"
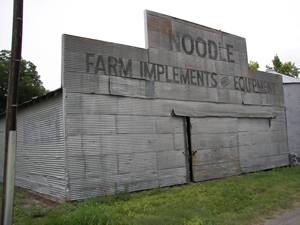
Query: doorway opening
(188, 144)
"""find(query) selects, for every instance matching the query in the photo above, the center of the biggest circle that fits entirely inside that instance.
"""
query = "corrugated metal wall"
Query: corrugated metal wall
(40, 160)
(120, 135)
(2, 143)
(118, 144)
(112, 130)
(292, 103)
(230, 146)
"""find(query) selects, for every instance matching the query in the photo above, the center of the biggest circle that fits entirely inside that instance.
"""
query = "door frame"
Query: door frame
(188, 144)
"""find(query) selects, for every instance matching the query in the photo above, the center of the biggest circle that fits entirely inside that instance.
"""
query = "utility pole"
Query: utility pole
(11, 107)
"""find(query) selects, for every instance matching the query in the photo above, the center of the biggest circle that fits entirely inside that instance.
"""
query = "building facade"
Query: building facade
(291, 87)
(185, 109)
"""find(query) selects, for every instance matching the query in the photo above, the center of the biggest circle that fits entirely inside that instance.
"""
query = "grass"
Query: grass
(240, 200)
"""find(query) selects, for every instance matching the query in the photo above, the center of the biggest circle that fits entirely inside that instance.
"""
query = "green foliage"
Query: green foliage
(276, 63)
(38, 212)
(253, 65)
(239, 200)
(287, 68)
(29, 85)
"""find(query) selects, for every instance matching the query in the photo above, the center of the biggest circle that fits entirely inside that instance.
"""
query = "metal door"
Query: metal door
(214, 147)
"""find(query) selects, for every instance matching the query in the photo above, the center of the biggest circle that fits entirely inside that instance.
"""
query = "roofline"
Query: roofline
(35, 100)
(291, 83)
(191, 23)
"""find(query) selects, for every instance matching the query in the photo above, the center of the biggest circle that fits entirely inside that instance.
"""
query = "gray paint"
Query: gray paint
(292, 103)
(40, 162)
(2, 144)
(115, 124)
(119, 133)
(116, 151)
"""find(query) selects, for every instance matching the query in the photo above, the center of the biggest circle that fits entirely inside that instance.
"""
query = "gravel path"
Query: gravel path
(290, 217)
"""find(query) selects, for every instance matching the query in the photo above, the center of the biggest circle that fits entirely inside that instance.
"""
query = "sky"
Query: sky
(270, 26)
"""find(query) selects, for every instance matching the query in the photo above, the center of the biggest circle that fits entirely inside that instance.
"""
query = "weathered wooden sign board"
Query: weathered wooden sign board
(120, 133)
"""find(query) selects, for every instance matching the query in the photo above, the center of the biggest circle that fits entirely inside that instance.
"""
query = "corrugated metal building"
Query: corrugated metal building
(291, 88)
(40, 157)
(184, 109)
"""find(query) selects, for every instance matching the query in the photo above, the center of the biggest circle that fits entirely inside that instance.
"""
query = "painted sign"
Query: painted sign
(184, 61)
(185, 108)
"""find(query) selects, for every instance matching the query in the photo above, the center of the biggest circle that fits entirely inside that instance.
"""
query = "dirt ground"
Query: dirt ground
(289, 217)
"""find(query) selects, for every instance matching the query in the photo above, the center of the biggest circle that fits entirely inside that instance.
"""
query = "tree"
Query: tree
(29, 85)
(287, 68)
(253, 65)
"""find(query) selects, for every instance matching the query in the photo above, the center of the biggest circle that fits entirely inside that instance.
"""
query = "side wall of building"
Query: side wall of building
(2, 144)
(292, 104)
(40, 161)
(117, 144)
(120, 132)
